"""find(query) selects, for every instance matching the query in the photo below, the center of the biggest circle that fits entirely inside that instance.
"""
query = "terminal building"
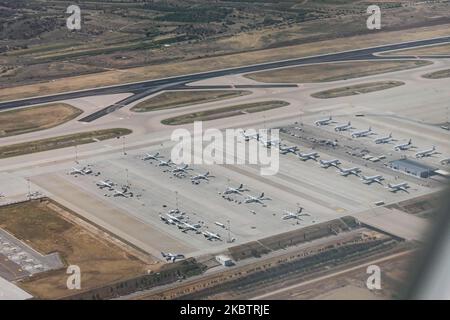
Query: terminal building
(412, 167)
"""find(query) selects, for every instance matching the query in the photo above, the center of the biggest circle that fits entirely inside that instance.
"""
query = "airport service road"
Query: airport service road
(149, 87)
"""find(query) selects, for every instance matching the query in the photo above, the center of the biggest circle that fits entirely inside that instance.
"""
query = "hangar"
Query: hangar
(412, 167)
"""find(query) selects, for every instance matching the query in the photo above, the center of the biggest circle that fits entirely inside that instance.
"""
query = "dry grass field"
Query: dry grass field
(423, 51)
(224, 112)
(177, 99)
(212, 63)
(65, 141)
(357, 89)
(46, 231)
(21, 121)
(333, 71)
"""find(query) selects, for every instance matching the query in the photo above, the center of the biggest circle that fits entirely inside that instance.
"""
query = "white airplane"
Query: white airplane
(123, 193)
(247, 137)
(105, 184)
(294, 215)
(211, 236)
(167, 163)
(426, 153)
(83, 171)
(269, 143)
(171, 256)
(323, 122)
(372, 179)
(346, 172)
(187, 226)
(384, 139)
(286, 149)
(149, 156)
(397, 187)
(170, 218)
(343, 127)
(182, 169)
(205, 176)
(252, 199)
(445, 161)
(362, 133)
(308, 156)
(329, 163)
(238, 190)
(404, 146)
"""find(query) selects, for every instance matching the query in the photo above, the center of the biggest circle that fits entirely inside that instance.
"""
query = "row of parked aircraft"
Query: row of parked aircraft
(357, 172)
(123, 191)
(248, 198)
(177, 170)
(386, 139)
(178, 218)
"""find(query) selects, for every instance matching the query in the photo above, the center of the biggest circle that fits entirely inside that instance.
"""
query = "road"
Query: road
(331, 275)
(145, 88)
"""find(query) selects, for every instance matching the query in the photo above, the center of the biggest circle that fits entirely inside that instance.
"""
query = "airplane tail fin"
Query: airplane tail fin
(262, 195)
(241, 186)
(410, 141)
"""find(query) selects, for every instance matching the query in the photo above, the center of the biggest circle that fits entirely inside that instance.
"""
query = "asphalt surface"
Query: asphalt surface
(145, 88)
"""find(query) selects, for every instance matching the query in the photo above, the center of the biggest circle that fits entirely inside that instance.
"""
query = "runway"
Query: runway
(145, 88)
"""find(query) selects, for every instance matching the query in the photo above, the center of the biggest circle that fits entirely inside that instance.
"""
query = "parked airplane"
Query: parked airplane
(346, 172)
(260, 199)
(2, 195)
(329, 163)
(372, 179)
(247, 137)
(397, 187)
(171, 218)
(182, 169)
(205, 176)
(237, 190)
(83, 171)
(269, 143)
(426, 153)
(343, 127)
(384, 139)
(149, 156)
(286, 149)
(294, 215)
(323, 122)
(308, 156)
(105, 184)
(404, 146)
(362, 133)
(172, 257)
(123, 193)
(167, 163)
(211, 236)
(187, 226)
